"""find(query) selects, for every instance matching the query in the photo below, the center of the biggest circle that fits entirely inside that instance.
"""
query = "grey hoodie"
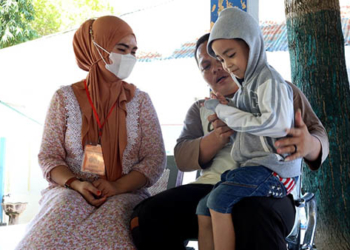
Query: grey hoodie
(262, 108)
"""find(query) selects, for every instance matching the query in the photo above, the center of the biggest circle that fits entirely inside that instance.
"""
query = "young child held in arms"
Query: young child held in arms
(260, 112)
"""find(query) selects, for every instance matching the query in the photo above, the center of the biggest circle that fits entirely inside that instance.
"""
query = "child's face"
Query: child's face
(233, 54)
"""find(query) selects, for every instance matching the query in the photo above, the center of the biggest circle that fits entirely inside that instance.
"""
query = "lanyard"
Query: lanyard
(96, 115)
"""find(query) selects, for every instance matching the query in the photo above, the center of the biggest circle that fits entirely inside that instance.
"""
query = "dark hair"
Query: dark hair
(201, 40)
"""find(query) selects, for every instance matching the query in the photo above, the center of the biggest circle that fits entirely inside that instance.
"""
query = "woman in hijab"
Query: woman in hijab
(101, 147)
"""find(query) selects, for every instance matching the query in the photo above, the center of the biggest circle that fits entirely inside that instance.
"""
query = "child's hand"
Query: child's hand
(213, 96)
(219, 97)
(213, 104)
(205, 99)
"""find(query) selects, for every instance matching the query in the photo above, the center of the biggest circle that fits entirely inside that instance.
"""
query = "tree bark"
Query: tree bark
(316, 46)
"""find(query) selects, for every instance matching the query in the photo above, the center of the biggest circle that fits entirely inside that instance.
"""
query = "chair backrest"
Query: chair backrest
(176, 176)
(170, 178)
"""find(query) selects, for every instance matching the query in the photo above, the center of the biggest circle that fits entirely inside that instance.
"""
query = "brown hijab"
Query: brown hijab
(105, 90)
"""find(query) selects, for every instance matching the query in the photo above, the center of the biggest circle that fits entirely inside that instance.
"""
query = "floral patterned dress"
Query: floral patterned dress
(66, 220)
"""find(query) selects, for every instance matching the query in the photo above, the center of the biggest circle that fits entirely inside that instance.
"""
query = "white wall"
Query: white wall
(173, 86)
(23, 178)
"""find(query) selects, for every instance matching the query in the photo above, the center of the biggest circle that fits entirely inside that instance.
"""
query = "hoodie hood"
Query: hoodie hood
(234, 23)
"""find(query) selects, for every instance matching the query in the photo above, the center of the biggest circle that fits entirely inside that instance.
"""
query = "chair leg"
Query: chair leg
(293, 240)
(311, 214)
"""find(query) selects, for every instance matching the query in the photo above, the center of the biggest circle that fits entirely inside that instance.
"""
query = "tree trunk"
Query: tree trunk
(316, 47)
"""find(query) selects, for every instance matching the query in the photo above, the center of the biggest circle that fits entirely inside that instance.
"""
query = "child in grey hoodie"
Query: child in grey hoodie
(260, 112)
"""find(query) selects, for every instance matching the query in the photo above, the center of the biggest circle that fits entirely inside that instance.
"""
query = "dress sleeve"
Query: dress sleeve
(52, 152)
(313, 124)
(152, 151)
(275, 103)
(186, 151)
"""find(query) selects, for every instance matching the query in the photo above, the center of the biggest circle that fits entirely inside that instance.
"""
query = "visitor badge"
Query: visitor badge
(93, 160)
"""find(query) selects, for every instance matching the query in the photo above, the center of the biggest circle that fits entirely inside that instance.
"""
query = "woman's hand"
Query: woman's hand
(221, 131)
(107, 188)
(213, 142)
(91, 194)
(302, 144)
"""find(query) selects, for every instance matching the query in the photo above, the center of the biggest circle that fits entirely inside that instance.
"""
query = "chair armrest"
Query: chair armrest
(304, 199)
